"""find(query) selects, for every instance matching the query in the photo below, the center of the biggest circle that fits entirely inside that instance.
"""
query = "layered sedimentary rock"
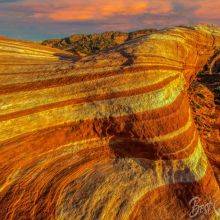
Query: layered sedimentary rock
(111, 136)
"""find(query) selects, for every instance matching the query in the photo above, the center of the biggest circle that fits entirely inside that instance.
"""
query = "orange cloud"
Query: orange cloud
(91, 10)
(50, 17)
(99, 9)
(84, 10)
(159, 6)
(208, 9)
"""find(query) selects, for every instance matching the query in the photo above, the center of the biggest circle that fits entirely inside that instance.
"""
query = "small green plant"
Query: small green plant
(201, 73)
(217, 90)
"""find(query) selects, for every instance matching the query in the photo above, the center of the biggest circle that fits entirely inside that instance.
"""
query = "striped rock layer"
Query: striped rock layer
(110, 136)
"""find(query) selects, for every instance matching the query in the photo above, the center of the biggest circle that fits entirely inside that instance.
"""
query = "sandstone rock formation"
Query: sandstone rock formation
(83, 45)
(111, 136)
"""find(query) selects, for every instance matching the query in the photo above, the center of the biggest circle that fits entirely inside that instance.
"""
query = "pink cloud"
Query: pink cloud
(208, 9)
(159, 6)
(87, 10)
(68, 16)
(98, 10)
(83, 10)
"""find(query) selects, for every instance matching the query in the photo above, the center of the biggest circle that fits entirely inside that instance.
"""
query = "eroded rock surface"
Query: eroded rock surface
(111, 136)
(82, 45)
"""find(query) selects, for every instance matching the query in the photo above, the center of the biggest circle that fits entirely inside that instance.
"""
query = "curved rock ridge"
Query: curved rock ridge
(214, 66)
(111, 136)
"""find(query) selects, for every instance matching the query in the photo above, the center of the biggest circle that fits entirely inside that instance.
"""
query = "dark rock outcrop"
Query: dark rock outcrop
(83, 45)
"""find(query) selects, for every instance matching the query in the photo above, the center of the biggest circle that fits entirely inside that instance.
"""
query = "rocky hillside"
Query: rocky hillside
(122, 134)
(83, 45)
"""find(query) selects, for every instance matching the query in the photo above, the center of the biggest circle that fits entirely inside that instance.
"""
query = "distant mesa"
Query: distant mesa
(82, 45)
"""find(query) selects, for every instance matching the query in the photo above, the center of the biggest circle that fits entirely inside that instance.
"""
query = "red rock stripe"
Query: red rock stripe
(178, 147)
(88, 99)
(56, 136)
(165, 199)
(61, 81)
(73, 167)
(69, 131)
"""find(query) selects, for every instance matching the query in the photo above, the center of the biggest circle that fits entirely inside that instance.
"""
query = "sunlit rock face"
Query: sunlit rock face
(111, 136)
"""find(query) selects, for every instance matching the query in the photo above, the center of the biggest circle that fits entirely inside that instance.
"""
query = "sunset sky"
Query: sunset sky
(41, 19)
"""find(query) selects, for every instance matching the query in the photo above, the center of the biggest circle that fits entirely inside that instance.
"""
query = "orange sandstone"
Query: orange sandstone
(110, 136)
